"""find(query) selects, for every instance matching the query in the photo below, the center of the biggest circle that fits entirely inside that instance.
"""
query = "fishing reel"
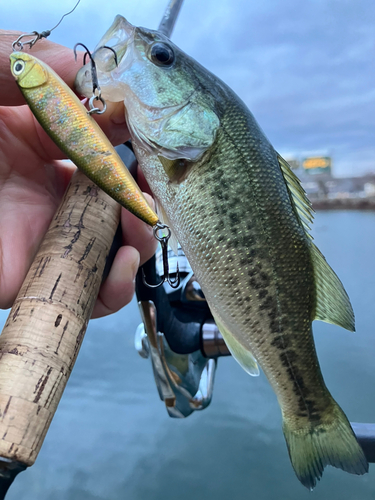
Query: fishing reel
(179, 335)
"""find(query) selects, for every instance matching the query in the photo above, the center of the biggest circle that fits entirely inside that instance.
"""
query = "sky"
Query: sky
(306, 69)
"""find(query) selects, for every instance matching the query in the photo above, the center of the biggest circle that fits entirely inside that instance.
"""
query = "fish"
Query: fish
(67, 122)
(243, 220)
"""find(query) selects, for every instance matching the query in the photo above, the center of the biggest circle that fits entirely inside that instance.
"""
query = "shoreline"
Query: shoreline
(344, 204)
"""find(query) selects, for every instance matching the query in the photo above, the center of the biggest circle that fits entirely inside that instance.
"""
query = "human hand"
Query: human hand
(33, 180)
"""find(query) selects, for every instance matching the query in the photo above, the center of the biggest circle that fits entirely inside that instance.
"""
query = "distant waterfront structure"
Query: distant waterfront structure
(328, 192)
(315, 165)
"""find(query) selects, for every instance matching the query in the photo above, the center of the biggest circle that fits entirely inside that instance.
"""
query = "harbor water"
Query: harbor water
(111, 438)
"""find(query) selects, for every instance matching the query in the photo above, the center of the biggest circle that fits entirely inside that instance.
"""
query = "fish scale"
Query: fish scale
(241, 217)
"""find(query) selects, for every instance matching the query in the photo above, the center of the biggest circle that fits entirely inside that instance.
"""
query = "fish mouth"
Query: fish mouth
(116, 39)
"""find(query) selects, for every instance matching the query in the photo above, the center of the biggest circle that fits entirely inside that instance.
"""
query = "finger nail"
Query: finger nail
(135, 266)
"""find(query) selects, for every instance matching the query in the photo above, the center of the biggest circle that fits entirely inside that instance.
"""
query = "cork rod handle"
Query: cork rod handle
(45, 328)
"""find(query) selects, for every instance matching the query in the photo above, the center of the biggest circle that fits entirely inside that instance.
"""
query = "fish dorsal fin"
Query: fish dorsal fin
(332, 302)
(241, 354)
(298, 196)
(173, 242)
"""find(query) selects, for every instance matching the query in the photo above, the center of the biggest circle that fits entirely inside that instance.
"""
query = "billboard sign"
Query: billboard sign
(317, 165)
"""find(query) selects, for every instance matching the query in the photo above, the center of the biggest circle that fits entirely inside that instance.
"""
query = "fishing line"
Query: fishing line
(18, 45)
(67, 14)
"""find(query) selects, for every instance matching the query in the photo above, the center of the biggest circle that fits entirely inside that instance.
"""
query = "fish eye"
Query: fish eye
(18, 67)
(162, 54)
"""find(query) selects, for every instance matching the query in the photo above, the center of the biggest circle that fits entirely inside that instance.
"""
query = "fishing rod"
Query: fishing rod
(44, 392)
(169, 19)
(56, 301)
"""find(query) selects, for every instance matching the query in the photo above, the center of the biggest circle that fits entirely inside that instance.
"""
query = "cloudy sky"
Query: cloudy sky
(306, 69)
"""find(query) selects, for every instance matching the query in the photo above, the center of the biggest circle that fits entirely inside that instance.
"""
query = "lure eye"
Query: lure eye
(162, 54)
(18, 67)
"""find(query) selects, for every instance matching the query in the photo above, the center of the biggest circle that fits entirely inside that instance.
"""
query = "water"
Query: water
(111, 438)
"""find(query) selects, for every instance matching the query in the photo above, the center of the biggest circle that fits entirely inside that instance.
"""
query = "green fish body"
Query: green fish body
(241, 217)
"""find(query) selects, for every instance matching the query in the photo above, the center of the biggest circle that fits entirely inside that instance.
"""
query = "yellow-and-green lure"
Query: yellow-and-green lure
(66, 121)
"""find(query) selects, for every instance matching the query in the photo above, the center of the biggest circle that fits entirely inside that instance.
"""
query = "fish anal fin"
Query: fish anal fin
(241, 354)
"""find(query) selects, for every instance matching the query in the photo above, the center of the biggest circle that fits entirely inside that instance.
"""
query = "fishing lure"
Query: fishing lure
(66, 121)
(70, 126)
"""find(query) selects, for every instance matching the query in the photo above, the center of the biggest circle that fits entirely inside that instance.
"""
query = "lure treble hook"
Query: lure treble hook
(163, 240)
(94, 78)
(18, 45)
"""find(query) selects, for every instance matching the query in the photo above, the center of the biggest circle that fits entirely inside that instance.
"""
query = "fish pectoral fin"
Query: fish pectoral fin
(240, 353)
(177, 170)
(173, 242)
(298, 197)
(332, 302)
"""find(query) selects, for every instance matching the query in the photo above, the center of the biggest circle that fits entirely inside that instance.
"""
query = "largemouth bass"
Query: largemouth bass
(241, 217)
(66, 121)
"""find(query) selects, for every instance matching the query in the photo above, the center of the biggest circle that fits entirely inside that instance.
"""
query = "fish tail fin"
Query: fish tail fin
(328, 442)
